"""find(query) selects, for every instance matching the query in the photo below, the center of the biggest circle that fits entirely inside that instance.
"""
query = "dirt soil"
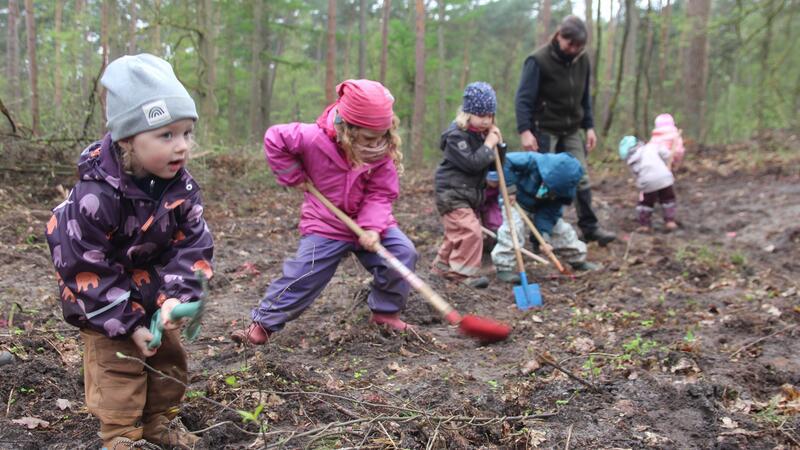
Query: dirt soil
(689, 339)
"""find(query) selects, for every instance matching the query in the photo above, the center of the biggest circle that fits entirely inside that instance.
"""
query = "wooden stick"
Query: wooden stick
(509, 216)
(545, 247)
(761, 339)
(441, 305)
(547, 359)
(524, 251)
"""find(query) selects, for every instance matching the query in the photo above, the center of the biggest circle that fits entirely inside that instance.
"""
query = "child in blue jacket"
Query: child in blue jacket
(544, 183)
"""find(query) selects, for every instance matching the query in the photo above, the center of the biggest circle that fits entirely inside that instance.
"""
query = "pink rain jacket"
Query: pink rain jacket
(299, 152)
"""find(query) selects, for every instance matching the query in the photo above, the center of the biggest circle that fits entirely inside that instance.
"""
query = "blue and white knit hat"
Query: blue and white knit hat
(479, 99)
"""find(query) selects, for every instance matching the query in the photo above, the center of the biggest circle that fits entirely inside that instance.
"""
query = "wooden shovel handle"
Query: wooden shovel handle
(420, 286)
(524, 251)
(542, 243)
(509, 215)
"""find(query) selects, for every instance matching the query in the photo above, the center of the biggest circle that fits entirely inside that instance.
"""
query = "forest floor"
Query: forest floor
(691, 339)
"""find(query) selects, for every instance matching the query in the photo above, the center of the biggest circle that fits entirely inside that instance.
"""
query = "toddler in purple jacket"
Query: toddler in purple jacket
(128, 240)
(352, 155)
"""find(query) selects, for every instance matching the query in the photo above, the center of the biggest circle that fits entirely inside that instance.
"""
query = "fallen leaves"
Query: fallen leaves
(32, 422)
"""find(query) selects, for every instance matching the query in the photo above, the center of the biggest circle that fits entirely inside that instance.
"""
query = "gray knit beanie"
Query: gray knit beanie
(143, 94)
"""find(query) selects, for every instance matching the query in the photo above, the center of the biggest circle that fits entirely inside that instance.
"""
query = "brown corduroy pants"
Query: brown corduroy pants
(121, 392)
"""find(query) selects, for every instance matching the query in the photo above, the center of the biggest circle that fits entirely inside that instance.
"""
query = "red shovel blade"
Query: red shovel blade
(486, 330)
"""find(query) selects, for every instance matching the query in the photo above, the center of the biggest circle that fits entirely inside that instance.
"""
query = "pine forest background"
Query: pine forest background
(726, 69)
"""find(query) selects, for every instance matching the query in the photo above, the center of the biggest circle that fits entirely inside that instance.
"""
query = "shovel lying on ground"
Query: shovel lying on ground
(524, 251)
(192, 310)
(542, 244)
(483, 329)
(525, 295)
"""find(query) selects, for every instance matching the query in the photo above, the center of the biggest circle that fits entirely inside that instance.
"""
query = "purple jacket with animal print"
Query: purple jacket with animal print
(118, 253)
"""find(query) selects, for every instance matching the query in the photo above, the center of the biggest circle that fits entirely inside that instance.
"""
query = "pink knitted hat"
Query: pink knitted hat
(665, 122)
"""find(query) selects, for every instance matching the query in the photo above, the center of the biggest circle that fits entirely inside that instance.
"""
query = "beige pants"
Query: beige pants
(122, 393)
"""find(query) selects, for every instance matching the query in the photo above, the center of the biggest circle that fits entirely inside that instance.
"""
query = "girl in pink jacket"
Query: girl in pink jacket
(667, 134)
(352, 155)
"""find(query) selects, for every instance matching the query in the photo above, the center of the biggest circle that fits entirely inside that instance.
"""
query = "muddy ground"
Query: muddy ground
(690, 339)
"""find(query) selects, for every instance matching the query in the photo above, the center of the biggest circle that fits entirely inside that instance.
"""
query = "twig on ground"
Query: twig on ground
(628, 247)
(569, 436)
(762, 339)
(547, 359)
(10, 396)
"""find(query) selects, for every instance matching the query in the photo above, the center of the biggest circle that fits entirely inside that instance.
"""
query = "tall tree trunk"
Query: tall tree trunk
(762, 100)
(543, 23)
(272, 74)
(83, 50)
(612, 49)
(664, 51)
(132, 28)
(598, 47)
(256, 46)
(105, 11)
(208, 56)
(418, 120)
(330, 66)
(465, 64)
(348, 40)
(589, 28)
(441, 72)
(696, 67)
(629, 5)
(57, 95)
(33, 70)
(644, 29)
(157, 29)
(387, 9)
(647, 71)
(362, 39)
(12, 52)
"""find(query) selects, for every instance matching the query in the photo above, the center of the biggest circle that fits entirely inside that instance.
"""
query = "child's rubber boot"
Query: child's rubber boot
(509, 276)
(160, 430)
(585, 266)
(255, 334)
(391, 320)
(479, 282)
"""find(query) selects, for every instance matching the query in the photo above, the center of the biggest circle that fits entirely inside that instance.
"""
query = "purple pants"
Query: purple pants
(309, 271)
(647, 202)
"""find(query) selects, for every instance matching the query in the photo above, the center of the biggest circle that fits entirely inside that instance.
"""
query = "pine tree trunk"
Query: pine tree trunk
(612, 49)
(132, 28)
(12, 53)
(597, 50)
(362, 39)
(208, 56)
(418, 120)
(629, 5)
(647, 71)
(105, 11)
(762, 100)
(33, 70)
(644, 29)
(330, 65)
(664, 51)
(57, 94)
(387, 9)
(441, 72)
(589, 28)
(543, 23)
(465, 60)
(696, 67)
(157, 29)
(256, 45)
(272, 74)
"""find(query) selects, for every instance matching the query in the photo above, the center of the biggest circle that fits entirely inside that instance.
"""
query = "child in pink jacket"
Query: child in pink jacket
(352, 155)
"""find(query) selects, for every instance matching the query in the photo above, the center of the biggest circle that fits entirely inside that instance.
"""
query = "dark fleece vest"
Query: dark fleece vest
(561, 86)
